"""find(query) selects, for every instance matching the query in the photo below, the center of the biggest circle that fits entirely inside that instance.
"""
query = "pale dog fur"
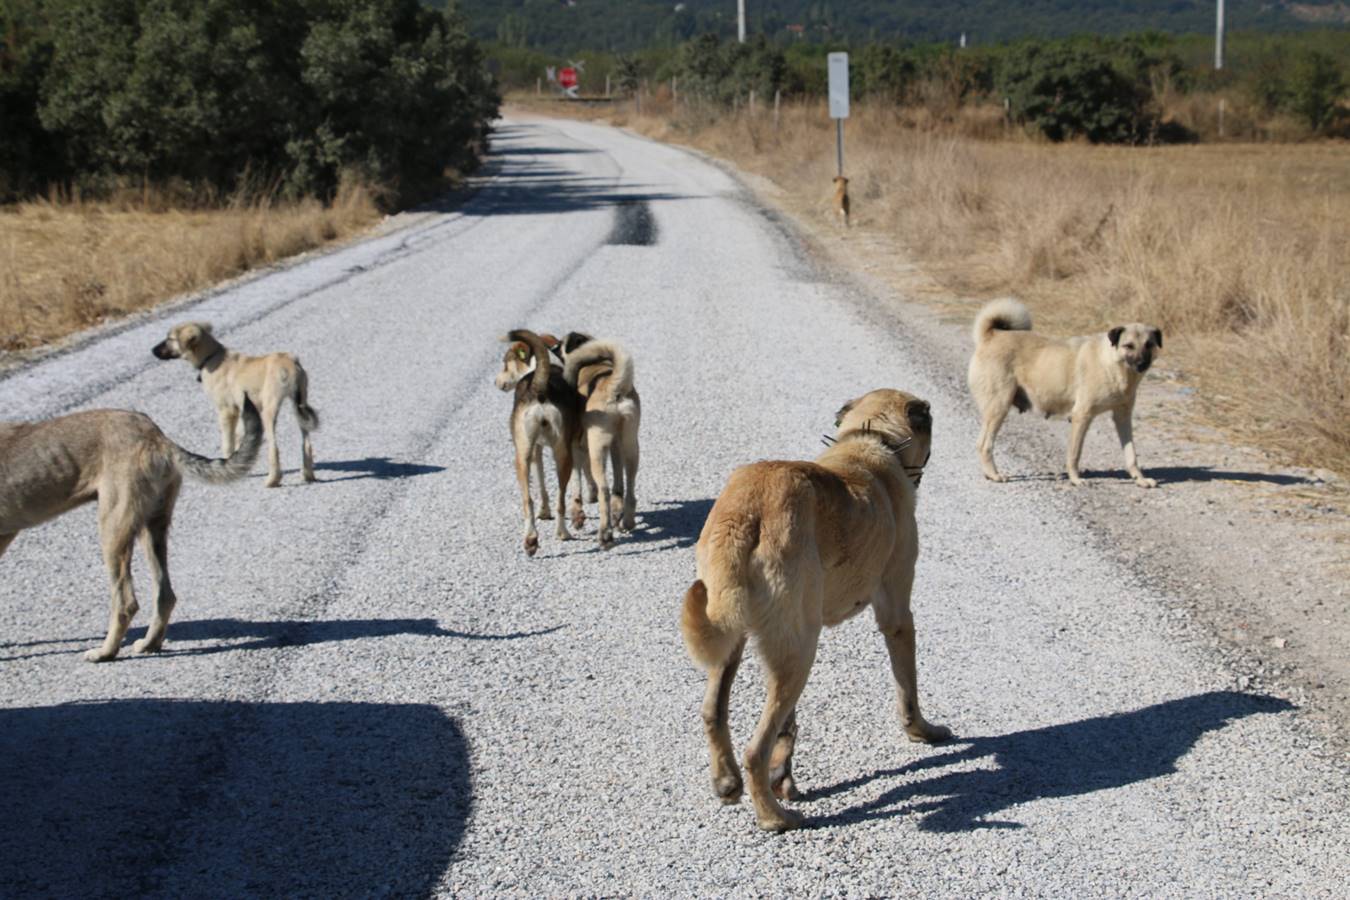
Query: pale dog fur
(121, 459)
(229, 377)
(790, 547)
(602, 372)
(1081, 377)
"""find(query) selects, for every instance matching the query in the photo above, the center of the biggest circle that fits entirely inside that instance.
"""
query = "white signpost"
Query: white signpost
(838, 63)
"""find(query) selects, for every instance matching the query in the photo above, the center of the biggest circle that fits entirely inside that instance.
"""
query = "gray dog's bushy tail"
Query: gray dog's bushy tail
(1005, 314)
(239, 463)
(308, 415)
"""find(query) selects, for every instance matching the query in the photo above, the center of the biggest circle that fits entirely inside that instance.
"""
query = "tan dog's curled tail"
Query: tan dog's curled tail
(1005, 314)
(596, 351)
(239, 463)
(543, 366)
(308, 415)
(709, 644)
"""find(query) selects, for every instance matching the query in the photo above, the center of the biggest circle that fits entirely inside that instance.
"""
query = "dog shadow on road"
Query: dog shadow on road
(1176, 475)
(671, 524)
(1056, 761)
(380, 467)
(241, 634)
(227, 798)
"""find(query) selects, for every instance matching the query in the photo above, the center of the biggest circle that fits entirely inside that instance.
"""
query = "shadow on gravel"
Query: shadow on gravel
(1173, 475)
(1057, 761)
(264, 635)
(381, 467)
(176, 798)
(678, 522)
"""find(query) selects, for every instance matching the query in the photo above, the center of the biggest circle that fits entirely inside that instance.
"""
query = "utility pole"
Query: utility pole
(1218, 39)
(740, 20)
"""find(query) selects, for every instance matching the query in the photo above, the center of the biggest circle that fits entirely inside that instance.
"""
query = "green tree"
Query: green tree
(1316, 86)
(1065, 90)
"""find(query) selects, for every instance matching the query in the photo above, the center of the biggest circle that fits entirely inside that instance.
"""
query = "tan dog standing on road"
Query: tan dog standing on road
(121, 459)
(1081, 377)
(790, 547)
(602, 372)
(229, 377)
(546, 412)
(841, 204)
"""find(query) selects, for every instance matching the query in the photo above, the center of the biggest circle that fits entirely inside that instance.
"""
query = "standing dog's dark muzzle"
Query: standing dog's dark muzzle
(162, 351)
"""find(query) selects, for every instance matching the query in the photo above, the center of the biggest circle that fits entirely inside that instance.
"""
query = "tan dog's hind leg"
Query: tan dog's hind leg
(616, 474)
(545, 508)
(630, 465)
(786, 670)
(582, 465)
(726, 775)
(1081, 420)
(523, 455)
(229, 419)
(155, 544)
(993, 421)
(780, 764)
(1123, 417)
(896, 623)
(598, 443)
(116, 530)
(269, 419)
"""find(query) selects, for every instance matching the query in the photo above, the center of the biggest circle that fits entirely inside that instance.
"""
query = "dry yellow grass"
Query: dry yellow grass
(1240, 252)
(67, 263)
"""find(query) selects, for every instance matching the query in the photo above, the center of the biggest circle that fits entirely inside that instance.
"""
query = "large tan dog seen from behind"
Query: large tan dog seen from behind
(790, 547)
(229, 377)
(121, 459)
(1081, 377)
(602, 373)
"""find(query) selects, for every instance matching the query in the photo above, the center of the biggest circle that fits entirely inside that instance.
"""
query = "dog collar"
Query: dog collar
(220, 351)
(914, 472)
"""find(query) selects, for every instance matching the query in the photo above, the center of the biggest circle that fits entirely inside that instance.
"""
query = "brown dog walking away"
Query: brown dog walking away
(790, 547)
(229, 377)
(1081, 377)
(602, 372)
(121, 459)
(841, 203)
(546, 412)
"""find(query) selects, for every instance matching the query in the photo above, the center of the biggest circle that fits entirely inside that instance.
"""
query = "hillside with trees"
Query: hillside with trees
(563, 26)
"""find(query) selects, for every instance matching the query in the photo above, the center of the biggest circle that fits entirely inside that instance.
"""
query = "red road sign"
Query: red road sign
(568, 77)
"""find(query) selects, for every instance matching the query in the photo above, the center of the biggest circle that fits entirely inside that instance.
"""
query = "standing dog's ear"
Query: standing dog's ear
(843, 411)
(1114, 334)
(920, 416)
(1157, 337)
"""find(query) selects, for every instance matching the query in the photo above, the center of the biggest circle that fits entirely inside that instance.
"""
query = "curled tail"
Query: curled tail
(308, 415)
(543, 367)
(1000, 315)
(708, 643)
(596, 351)
(239, 463)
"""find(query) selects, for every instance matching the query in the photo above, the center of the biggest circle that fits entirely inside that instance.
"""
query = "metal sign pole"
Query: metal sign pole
(839, 143)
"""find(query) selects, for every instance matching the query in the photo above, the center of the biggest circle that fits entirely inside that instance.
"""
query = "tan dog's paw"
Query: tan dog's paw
(996, 478)
(780, 820)
(97, 655)
(1076, 480)
(144, 645)
(606, 539)
(728, 789)
(545, 513)
(785, 788)
(928, 733)
(273, 481)
(578, 516)
(615, 507)
(532, 544)
(1146, 482)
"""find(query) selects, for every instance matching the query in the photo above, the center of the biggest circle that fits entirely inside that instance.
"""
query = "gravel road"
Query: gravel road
(369, 689)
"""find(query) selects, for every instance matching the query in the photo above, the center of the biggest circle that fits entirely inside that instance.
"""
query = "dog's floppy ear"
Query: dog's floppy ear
(920, 416)
(521, 350)
(193, 338)
(550, 341)
(574, 340)
(206, 328)
(1157, 337)
(1114, 334)
(843, 411)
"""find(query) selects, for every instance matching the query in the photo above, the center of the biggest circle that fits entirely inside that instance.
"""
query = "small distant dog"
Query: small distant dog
(121, 459)
(1081, 377)
(841, 205)
(790, 547)
(546, 412)
(602, 373)
(230, 377)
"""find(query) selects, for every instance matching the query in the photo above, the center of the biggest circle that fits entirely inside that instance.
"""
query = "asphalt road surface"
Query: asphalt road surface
(370, 689)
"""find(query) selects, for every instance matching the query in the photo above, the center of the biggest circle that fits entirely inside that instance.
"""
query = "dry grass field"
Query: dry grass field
(67, 263)
(1239, 252)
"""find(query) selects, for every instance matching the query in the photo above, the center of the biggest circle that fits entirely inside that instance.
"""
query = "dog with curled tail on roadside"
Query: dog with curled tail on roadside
(790, 548)
(1079, 377)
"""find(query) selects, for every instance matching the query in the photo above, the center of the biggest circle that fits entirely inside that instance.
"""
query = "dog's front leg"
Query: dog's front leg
(1080, 419)
(1124, 419)
(896, 623)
